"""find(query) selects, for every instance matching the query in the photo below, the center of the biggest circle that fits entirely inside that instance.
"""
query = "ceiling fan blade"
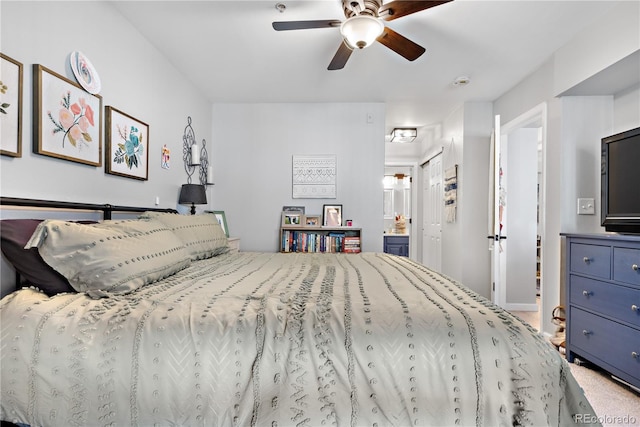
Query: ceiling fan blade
(304, 25)
(401, 45)
(341, 57)
(399, 8)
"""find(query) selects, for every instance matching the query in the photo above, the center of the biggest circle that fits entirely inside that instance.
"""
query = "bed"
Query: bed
(262, 339)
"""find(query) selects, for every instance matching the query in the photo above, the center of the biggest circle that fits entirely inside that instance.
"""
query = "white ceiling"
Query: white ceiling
(230, 51)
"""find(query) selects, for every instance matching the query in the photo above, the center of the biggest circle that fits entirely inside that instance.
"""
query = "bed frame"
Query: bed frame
(106, 209)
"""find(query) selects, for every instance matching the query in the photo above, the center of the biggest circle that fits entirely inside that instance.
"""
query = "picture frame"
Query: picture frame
(293, 209)
(332, 215)
(292, 219)
(313, 220)
(127, 145)
(11, 72)
(222, 220)
(73, 132)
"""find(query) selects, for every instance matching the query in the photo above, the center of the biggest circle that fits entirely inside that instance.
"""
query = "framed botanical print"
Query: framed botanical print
(10, 106)
(127, 148)
(67, 122)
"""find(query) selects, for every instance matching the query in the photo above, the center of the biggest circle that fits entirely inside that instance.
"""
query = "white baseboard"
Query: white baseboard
(521, 307)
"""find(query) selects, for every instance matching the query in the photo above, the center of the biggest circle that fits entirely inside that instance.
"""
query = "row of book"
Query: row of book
(302, 241)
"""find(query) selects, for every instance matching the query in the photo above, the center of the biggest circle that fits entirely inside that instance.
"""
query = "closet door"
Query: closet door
(433, 207)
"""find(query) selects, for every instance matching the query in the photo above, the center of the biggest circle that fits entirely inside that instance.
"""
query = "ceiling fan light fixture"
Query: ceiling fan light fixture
(361, 31)
(404, 134)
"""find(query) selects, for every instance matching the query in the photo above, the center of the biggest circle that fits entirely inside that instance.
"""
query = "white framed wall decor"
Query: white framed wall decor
(314, 176)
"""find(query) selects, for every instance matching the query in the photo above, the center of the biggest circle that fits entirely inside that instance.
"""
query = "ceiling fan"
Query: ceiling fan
(364, 26)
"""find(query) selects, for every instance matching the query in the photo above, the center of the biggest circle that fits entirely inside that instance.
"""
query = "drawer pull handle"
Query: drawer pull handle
(634, 307)
(634, 267)
(635, 354)
(586, 333)
(587, 293)
(586, 260)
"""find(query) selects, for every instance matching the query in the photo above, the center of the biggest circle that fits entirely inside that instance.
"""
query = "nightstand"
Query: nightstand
(234, 244)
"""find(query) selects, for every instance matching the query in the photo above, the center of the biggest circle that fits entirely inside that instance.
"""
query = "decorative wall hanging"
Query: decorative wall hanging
(127, 145)
(85, 73)
(314, 177)
(165, 161)
(194, 157)
(68, 121)
(450, 192)
(10, 107)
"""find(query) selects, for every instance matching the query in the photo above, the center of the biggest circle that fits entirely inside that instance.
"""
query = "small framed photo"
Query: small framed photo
(332, 215)
(313, 220)
(292, 219)
(10, 107)
(67, 122)
(293, 209)
(127, 145)
(222, 220)
(348, 223)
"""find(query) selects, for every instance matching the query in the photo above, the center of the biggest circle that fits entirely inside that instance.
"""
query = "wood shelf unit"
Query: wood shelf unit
(320, 239)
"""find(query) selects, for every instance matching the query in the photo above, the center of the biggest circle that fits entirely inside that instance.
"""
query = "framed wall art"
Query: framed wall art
(222, 220)
(314, 177)
(332, 215)
(10, 106)
(67, 122)
(127, 145)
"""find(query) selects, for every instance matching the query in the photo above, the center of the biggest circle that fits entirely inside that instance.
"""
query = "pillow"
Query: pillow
(14, 235)
(113, 257)
(201, 234)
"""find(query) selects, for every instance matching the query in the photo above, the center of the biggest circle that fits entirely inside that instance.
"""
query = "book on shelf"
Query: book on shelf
(301, 240)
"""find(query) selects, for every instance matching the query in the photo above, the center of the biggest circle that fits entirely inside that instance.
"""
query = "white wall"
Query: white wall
(252, 160)
(568, 121)
(135, 79)
(466, 136)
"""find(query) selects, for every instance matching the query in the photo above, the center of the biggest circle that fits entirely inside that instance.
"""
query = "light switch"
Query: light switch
(586, 206)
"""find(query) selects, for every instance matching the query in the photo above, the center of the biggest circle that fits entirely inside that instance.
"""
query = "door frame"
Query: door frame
(413, 248)
(536, 116)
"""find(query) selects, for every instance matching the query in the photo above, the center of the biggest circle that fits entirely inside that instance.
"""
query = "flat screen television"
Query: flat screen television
(620, 189)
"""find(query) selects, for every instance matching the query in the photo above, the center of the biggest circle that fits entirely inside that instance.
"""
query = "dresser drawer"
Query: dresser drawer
(594, 260)
(626, 265)
(613, 343)
(612, 300)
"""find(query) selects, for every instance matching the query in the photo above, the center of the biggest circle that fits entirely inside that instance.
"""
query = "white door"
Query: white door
(433, 205)
(496, 213)
(514, 215)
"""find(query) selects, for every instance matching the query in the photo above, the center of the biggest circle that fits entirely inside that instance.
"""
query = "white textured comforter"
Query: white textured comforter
(268, 339)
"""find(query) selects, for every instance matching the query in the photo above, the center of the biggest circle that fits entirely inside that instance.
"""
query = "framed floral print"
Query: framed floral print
(67, 121)
(10, 107)
(127, 145)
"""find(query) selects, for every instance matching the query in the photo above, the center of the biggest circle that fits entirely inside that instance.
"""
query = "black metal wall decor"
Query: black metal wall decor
(193, 157)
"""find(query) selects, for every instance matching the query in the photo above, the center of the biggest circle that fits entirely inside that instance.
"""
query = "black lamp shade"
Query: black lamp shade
(194, 194)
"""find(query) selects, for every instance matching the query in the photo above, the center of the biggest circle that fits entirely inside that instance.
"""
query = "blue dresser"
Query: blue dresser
(603, 302)
(397, 244)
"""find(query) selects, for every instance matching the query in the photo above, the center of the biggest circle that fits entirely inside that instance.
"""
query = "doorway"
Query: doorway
(399, 203)
(520, 283)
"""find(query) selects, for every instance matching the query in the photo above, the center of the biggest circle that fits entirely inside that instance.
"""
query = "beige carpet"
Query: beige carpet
(614, 403)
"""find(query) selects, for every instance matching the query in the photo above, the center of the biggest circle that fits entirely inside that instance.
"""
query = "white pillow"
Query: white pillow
(201, 234)
(112, 257)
